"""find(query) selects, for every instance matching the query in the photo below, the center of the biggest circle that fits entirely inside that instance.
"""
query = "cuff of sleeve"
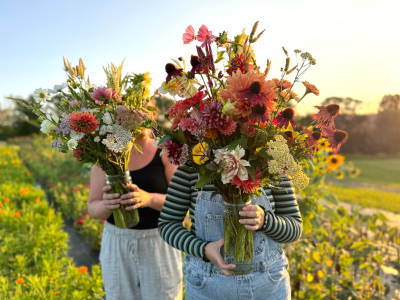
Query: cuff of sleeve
(266, 221)
(203, 252)
(265, 218)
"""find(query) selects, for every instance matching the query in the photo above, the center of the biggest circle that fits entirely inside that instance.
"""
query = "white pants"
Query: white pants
(139, 265)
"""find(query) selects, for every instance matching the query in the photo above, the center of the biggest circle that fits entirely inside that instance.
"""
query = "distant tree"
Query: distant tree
(390, 103)
(348, 106)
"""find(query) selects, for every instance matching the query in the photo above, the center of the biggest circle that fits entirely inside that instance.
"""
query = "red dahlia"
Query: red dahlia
(83, 122)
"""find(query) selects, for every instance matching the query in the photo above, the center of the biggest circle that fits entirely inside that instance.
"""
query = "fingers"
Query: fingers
(253, 228)
(106, 188)
(133, 187)
(137, 205)
(110, 196)
(250, 213)
(250, 221)
(250, 207)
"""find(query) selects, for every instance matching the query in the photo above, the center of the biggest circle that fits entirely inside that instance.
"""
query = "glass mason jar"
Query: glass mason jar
(123, 218)
(238, 246)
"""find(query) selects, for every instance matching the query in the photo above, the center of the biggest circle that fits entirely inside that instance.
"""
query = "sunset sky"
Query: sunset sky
(356, 43)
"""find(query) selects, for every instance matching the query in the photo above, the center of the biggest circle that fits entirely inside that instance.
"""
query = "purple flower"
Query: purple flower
(284, 118)
(64, 127)
(212, 115)
(196, 65)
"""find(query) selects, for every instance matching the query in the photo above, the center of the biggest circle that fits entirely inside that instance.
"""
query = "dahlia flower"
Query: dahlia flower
(189, 124)
(188, 36)
(103, 95)
(237, 63)
(172, 71)
(83, 122)
(336, 138)
(310, 88)
(205, 36)
(242, 109)
(212, 115)
(229, 128)
(326, 115)
(246, 127)
(232, 164)
(284, 118)
(173, 151)
(41, 95)
(248, 186)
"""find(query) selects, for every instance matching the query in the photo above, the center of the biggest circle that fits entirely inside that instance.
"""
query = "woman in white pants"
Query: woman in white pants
(136, 262)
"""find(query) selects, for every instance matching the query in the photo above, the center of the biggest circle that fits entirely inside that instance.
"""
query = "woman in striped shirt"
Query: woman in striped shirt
(275, 219)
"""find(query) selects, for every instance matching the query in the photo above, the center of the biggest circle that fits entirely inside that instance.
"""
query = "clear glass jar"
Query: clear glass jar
(123, 218)
(238, 246)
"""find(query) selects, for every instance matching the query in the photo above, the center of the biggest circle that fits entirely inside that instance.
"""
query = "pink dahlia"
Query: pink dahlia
(248, 186)
(237, 63)
(284, 118)
(205, 36)
(103, 95)
(250, 130)
(212, 115)
(173, 151)
(336, 138)
(179, 117)
(188, 36)
(83, 122)
(229, 128)
(326, 115)
(189, 124)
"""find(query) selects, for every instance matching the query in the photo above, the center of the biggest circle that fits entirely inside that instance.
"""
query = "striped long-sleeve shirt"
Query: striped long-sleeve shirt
(283, 224)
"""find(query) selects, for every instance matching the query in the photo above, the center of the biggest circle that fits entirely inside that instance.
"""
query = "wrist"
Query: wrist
(205, 259)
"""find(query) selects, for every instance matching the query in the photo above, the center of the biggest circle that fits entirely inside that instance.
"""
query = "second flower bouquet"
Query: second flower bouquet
(234, 127)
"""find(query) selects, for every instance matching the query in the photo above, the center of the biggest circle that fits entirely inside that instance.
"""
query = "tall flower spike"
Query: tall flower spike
(268, 68)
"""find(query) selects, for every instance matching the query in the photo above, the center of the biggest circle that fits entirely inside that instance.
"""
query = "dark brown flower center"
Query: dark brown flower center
(255, 88)
(169, 68)
(260, 109)
(194, 61)
(316, 135)
(207, 36)
(288, 113)
(333, 109)
(289, 134)
(339, 136)
(334, 160)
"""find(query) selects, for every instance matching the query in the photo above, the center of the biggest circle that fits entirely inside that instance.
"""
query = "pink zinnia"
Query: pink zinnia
(205, 36)
(102, 95)
(83, 122)
(212, 115)
(188, 36)
(336, 138)
(284, 118)
(80, 222)
(248, 186)
(326, 115)
(229, 128)
(189, 124)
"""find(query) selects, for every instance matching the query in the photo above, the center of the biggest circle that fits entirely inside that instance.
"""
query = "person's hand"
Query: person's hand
(213, 254)
(255, 217)
(137, 198)
(110, 201)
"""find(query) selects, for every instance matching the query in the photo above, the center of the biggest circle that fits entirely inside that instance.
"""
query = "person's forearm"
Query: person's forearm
(157, 201)
(97, 211)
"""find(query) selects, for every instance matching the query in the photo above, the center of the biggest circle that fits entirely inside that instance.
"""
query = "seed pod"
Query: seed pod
(287, 64)
(65, 64)
(253, 31)
(284, 50)
(268, 67)
(245, 45)
(258, 36)
(291, 70)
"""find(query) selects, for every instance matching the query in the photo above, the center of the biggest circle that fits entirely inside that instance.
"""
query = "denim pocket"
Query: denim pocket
(214, 227)
(278, 271)
(196, 279)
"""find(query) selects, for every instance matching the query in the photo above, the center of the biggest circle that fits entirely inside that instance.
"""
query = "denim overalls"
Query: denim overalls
(269, 280)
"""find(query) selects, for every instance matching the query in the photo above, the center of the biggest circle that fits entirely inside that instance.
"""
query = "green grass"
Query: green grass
(382, 171)
(368, 198)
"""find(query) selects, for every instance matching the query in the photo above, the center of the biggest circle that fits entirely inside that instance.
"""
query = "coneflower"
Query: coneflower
(326, 115)
(284, 118)
(336, 138)
(172, 71)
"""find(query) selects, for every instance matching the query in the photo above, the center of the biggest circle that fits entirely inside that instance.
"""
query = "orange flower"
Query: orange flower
(17, 214)
(19, 166)
(50, 279)
(311, 88)
(214, 132)
(6, 200)
(288, 95)
(283, 83)
(28, 173)
(20, 281)
(57, 293)
(24, 191)
(1, 211)
(49, 212)
(36, 200)
(1, 204)
(83, 270)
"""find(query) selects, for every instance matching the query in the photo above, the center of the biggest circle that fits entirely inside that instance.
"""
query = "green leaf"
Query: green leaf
(181, 136)
(331, 198)
(165, 138)
(220, 56)
(204, 180)
(138, 148)
(263, 152)
(358, 244)
(252, 157)
(74, 94)
(239, 121)
(252, 172)
(242, 142)
(382, 217)
(149, 108)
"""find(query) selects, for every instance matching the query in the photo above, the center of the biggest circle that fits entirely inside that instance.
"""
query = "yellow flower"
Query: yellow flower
(20, 281)
(334, 161)
(324, 144)
(187, 86)
(170, 87)
(83, 270)
(200, 153)
(320, 274)
(329, 263)
(49, 212)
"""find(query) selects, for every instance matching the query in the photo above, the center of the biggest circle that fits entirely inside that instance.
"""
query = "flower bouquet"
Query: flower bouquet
(236, 129)
(99, 124)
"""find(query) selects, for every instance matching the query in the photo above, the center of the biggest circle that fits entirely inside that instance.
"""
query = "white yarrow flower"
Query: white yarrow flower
(72, 143)
(118, 139)
(232, 164)
(57, 88)
(41, 95)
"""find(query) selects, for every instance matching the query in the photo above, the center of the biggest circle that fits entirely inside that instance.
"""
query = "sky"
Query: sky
(356, 43)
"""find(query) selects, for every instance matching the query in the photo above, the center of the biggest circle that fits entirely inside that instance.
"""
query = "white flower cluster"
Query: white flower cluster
(117, 139)
(284, 163)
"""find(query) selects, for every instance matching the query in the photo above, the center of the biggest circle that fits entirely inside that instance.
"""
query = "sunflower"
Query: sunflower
(334, 161)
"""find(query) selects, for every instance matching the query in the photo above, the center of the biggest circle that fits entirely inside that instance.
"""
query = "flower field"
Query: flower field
(33, 261)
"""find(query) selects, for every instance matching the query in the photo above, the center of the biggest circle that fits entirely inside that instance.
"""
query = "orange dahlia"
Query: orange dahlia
(83, 122)
(311, 88)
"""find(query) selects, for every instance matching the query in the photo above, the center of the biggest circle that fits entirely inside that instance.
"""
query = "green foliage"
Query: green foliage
(33, 244)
